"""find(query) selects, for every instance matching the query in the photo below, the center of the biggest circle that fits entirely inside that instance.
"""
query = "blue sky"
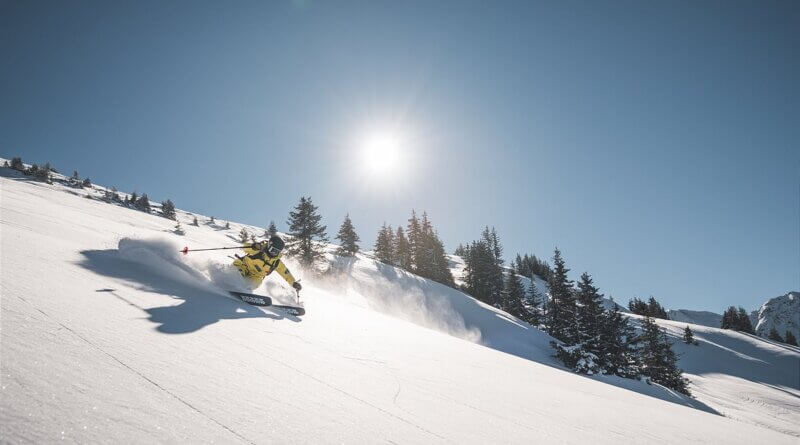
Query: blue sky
(655, 143)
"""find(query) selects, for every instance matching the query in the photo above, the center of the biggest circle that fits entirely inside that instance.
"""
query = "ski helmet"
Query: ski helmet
(276, 245)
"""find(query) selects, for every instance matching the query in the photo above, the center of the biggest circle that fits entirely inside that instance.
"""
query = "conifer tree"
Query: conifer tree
(402, 250)
(744, 323)
(535, 302)
(729, 318)
(561, 307)
(244, 236)
(413, 232)
(75, 179)
(618, 355)
(688, 335)
(211, 220)
(307, 233)
(460, 250)
(87, 182)
(43, 174)
(179, 229)
(659, 361)
(589, 314)
(143, 203)
(227, 225)
(384, 245)
(348, 237)
(271, 231)
(16, 164)
(774, 335)
(790, 339)
(194, 221)
(168, 209)
(513, 295)
(6, 164)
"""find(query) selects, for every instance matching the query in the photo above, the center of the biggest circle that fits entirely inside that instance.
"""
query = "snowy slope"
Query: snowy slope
(108, 334)
(782, 313)
(703, 318)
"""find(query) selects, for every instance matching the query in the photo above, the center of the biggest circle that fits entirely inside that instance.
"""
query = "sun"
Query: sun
(381, 153)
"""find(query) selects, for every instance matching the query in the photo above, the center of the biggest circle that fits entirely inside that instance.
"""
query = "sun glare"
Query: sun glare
(381, 153)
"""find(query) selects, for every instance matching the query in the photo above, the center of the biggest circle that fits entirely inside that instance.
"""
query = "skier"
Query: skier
(262, 259)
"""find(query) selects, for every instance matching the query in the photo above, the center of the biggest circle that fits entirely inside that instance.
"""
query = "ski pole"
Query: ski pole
(186, 250)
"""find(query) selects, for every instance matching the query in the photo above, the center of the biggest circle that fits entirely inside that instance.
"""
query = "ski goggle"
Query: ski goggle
(273, 250)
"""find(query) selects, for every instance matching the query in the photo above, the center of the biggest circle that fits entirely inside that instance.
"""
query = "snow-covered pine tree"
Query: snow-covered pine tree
(143, 203)
(583, 353)
(790, 339)
(413, 232)
(729, 318)
(307, 233)
(743, 321)
(561, 306)
(348, 237)
(688, 336)
(384, 245)
(440, 263)
(244, 236)
(402, 250)
(654, 309)
(618, 339)
(460, 250)
(16, 164)
(535, 304)
(43, 174)
(271, 231)
(659, 362)
(168, 209)
(513, 295)
(774, 335)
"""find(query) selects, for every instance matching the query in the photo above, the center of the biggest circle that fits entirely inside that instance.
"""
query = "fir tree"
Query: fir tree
(402, 250)
(744, 323)
(227, 225)
(307, 233)
(589, 314)
(143, 203)
(384, 245)
(43, 174)
(561, 307)
(729, 318)
(244, 236)
(194, 222)
(790, 339)
(414, 231)
(75, 179)
(16, 164)
(659, 361)
(688, 336)
(774, 335)
(6, 164)
(211, 220)
(179, 229)
(87, 182)
(460, 250)
(132, 198)
(618, 355)
(168, 209)
(271, 231)
(513, 294)
(535, 300)
(348, 237)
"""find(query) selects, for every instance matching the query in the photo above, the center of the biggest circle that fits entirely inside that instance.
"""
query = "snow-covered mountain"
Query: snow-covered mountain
(782, 313)
(703, 318)
(109, 334)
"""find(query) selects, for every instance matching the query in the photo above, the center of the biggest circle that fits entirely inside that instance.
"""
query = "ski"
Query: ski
(262, 300)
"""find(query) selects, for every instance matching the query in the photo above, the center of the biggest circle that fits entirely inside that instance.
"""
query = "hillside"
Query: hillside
(703, 318)
(109, 334)
(782, 313)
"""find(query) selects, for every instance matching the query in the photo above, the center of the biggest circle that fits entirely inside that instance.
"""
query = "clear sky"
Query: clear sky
(654, 142)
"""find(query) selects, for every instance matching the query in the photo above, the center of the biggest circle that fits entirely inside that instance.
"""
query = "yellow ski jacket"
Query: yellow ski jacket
(256, 265)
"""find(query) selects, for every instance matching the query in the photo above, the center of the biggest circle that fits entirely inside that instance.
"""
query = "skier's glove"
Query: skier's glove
(297, 286)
